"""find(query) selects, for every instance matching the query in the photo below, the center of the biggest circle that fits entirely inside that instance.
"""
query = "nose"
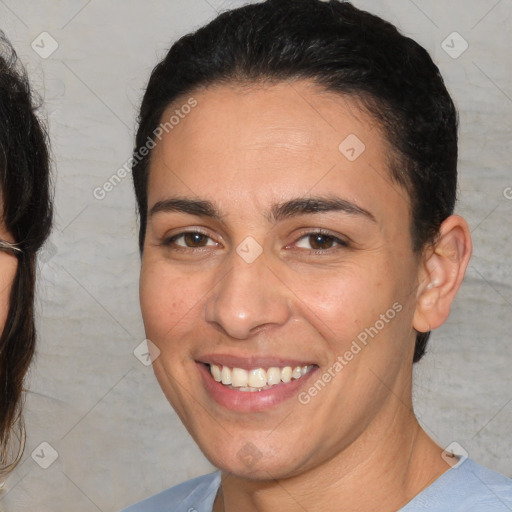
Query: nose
(249, 298)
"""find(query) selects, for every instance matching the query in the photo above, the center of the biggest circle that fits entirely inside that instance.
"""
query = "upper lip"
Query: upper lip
(250, 362)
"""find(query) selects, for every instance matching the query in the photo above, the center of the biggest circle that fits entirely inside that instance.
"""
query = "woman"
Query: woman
(298, 245)
(26, 220)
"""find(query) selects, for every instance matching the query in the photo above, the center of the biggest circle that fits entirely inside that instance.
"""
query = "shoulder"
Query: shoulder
(467, 487)
(195, 495)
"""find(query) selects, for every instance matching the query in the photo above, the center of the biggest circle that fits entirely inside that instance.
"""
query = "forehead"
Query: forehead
(258, 143)
(278, 117)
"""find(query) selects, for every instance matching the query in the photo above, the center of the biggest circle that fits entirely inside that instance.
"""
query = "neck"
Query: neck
(375, 473)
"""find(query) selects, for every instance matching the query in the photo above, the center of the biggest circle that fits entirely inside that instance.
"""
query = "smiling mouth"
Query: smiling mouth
(256, 379)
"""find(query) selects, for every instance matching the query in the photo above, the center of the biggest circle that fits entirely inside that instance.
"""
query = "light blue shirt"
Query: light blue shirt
(467, 487)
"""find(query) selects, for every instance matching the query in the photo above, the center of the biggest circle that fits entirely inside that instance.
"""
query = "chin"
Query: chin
(245, 459)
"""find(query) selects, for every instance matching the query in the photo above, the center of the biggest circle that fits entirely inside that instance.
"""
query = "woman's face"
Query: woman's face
(276, 239)
(8, 266)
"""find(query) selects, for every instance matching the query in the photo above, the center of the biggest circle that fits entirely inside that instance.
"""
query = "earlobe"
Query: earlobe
(443, 269)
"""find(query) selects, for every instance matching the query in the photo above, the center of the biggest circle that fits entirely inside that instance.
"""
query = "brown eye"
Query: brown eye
(190, 240)
(195, 239)
(320, 242)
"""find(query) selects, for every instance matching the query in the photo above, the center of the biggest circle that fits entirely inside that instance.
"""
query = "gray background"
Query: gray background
(89, 397)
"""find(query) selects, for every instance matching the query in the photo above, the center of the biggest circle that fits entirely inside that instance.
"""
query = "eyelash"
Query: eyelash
(339, 243)
(169, 242)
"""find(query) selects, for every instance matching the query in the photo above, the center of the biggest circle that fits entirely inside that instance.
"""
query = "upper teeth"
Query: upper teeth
(258, 377)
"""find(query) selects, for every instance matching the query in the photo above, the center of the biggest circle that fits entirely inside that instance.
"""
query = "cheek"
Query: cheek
(357, 310)
(342, 302)
(168, 301)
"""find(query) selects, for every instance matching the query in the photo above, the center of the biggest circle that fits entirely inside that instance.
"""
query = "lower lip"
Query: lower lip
(251, 401)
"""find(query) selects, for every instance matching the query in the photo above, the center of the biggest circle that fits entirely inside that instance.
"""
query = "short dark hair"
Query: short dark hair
(27, 216)
(344, 50)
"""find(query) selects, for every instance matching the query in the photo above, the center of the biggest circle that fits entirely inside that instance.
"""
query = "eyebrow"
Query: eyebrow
(185, 205)
(304, 206)
(279, 211)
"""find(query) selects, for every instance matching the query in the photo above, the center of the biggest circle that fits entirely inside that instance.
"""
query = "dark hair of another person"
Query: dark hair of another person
(27, 216)
(345, 51)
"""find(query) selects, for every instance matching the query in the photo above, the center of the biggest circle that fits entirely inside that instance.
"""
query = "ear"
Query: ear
(442, 272)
